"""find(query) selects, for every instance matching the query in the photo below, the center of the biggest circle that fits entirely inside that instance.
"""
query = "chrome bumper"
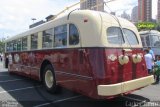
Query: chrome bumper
(115, 89)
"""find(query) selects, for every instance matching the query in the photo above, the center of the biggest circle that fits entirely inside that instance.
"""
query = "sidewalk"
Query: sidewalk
(2, 69)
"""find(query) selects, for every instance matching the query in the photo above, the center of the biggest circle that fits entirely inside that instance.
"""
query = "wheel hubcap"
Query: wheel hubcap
(49, 78)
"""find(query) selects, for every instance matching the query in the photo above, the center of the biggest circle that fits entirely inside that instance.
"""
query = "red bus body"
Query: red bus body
(85, 69)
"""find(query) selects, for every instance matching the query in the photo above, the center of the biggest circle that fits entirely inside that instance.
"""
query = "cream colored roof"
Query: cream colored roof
(92, 33)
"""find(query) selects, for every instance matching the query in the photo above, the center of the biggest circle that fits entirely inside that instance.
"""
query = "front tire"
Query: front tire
(49, 79)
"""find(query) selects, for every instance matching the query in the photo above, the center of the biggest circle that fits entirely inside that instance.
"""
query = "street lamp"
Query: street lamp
(33, 19)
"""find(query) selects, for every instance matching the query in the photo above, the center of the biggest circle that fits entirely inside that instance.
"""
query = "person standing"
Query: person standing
(0, 58)
(157, 70)
(152, 53)
(148, 59)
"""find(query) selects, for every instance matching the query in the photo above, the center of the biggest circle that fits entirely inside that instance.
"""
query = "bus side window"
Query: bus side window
(24, 43)
(8, 46)
(143, 41)
(19, 45)
(148, 41)
(60, 36)
(11, 46)
(34, 41)
(156, 41)
(73, 35)
(15, 45)
(47, 38)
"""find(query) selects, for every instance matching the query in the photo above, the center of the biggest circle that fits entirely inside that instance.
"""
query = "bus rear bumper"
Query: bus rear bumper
(115, 89)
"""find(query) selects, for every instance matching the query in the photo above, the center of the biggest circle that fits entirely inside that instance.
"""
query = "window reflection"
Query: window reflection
(114, 35)
(24, 43)
(131, 38)
(47, 38)
(73, 35)
(34, 41)
(60, 35)
(155, 41)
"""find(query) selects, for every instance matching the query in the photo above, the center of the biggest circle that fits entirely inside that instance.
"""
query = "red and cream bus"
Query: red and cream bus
(151, 38)
(90, 52)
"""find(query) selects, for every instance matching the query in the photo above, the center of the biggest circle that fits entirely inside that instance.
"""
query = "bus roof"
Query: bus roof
(93, 15)
(149, 32)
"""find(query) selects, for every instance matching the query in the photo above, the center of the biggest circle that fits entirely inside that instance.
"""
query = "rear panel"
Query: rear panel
(117, 72)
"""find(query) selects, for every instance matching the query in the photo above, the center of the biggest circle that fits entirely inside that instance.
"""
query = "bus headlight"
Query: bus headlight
(123, 59)
(136, 58)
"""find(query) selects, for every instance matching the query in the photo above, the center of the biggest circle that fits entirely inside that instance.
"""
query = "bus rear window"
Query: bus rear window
(114, 35)
(130, 38)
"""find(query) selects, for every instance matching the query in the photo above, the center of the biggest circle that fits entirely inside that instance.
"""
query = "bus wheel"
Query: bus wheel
(49, 79)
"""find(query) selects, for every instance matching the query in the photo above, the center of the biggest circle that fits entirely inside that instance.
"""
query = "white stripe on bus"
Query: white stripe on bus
(57, 101)
(76, 75)
(19, 89)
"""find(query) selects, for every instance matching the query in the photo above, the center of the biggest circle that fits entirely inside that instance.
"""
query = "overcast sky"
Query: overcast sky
(16, 15)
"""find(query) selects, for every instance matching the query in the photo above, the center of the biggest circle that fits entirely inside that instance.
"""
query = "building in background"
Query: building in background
(144, 10)
(134, 14)
(97, 5)
(158, 11)
(125, 15)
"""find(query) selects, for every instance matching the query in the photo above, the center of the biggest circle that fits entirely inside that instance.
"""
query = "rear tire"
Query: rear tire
(49, 79)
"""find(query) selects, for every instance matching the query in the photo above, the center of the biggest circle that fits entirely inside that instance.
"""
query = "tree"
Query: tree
(158, 27)
(146, 26)
(2, 45)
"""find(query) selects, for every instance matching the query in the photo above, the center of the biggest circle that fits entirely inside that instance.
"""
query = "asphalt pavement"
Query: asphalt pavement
(18, 91)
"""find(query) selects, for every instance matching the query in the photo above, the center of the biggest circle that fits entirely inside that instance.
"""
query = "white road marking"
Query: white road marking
(133, 99)
(4, 75)
(11, 80)
(140, 102)
(19, 89)
(56, 101)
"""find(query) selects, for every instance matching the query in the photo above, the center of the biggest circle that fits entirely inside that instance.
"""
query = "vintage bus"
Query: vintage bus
(151, 38)
(90, 52)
